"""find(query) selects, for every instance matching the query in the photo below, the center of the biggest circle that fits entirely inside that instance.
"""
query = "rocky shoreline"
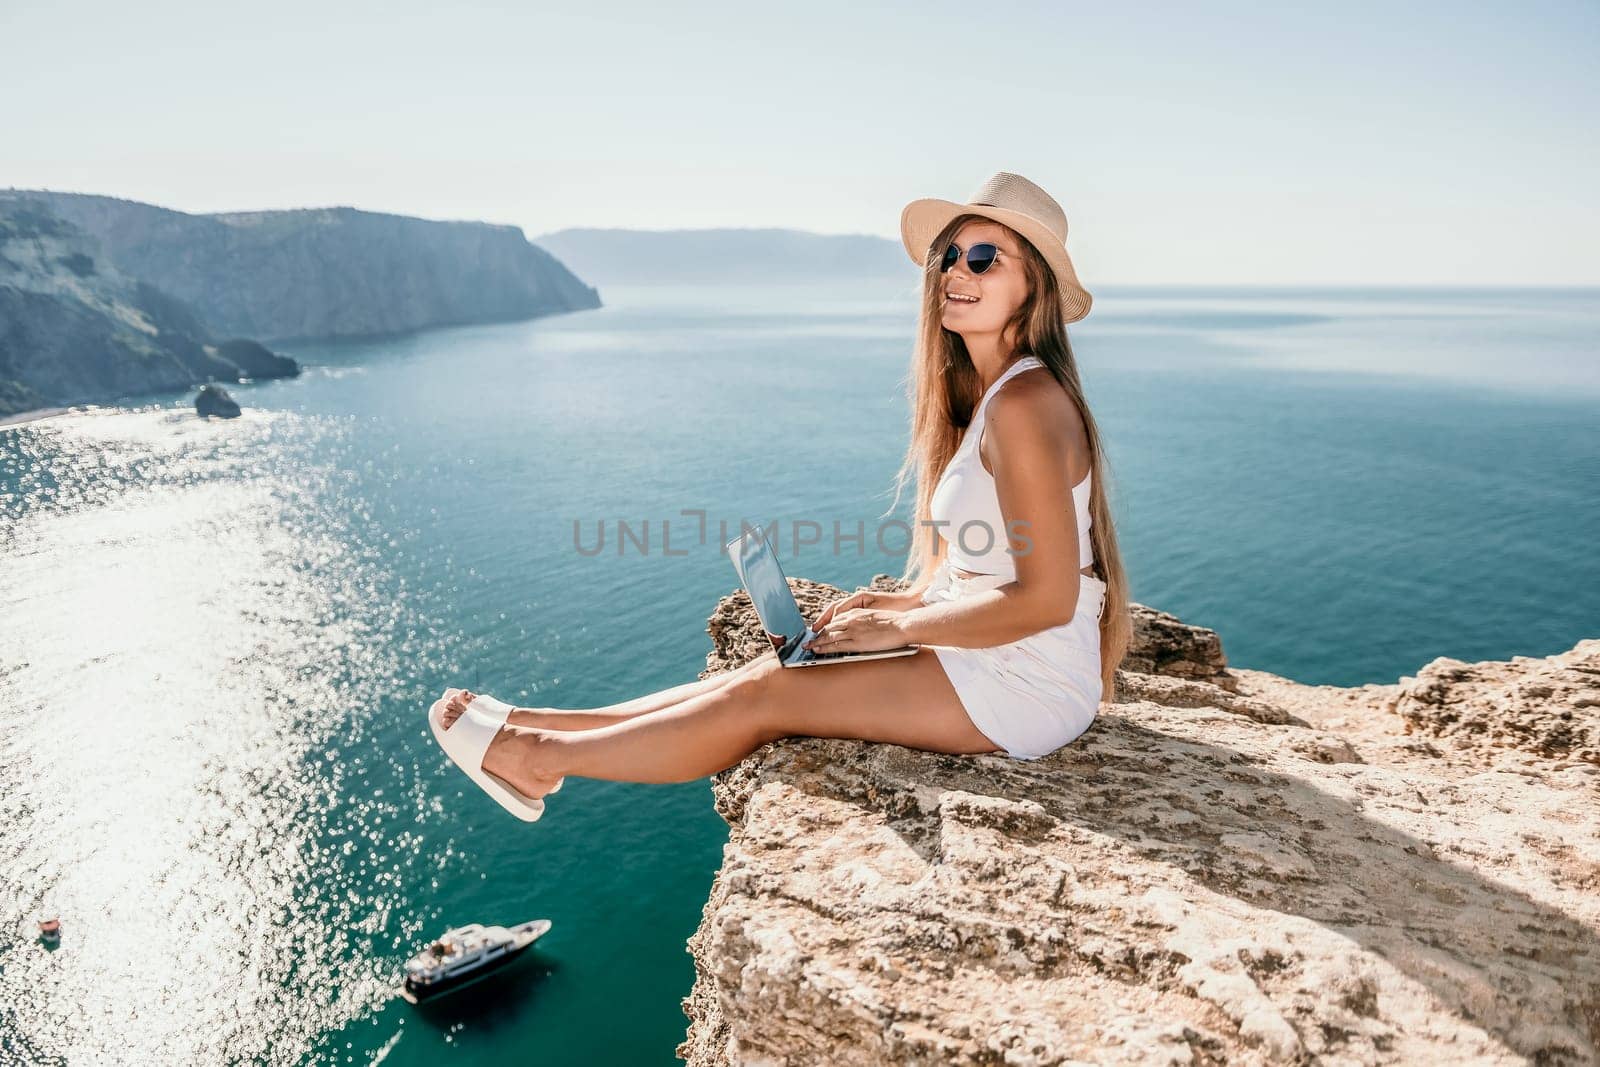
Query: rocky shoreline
(1229, 867)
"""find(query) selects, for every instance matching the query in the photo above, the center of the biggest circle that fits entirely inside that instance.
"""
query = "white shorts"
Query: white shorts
(1032, 696)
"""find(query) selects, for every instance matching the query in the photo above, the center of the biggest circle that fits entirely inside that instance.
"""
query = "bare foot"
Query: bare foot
(534, 716)
(520, 756)
(526, 716)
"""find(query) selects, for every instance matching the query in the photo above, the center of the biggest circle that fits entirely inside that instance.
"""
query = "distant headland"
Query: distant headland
(102, 297)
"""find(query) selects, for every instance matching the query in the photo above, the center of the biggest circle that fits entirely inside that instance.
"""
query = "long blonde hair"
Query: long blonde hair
(944, 389)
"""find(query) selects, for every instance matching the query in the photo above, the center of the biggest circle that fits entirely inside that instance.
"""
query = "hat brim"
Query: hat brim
(922, 220)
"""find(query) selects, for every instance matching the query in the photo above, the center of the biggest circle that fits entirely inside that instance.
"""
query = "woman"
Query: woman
(1018, 597)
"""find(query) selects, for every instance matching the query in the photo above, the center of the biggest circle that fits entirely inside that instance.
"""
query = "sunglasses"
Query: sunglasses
(980, 257)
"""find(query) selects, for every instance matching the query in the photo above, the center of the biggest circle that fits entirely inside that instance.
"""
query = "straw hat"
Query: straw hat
(1016, 202)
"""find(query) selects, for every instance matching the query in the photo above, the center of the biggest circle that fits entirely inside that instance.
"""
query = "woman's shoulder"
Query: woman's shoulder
(1032, 391)
(1032, 404)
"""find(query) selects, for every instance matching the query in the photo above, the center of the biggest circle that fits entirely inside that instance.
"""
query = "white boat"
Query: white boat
(465, 954)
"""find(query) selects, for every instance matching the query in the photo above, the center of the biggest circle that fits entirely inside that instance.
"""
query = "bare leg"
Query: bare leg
(907, 701)
(592, 718)
(610, 714)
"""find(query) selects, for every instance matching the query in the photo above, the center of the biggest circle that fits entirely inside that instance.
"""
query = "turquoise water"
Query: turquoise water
(217, 641)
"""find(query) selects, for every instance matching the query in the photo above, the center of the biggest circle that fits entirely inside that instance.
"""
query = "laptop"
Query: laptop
(787, 629)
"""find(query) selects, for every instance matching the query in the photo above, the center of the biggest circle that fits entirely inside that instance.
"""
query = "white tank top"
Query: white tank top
(966, 503)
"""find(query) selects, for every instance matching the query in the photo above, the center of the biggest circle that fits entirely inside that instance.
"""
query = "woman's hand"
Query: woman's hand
(868, 598)
(859, 630)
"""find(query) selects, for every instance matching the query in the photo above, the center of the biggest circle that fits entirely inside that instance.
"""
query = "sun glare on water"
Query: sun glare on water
(191, 638)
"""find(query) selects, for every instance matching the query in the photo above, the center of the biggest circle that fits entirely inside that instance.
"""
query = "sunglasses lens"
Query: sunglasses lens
(951, 254)
(981, 257)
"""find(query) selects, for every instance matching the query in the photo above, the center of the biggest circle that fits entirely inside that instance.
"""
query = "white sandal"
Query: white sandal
(469, 737)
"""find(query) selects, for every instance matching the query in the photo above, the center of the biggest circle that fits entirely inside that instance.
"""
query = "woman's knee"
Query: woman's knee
(747, 672)
(757, 676)
(753, 688)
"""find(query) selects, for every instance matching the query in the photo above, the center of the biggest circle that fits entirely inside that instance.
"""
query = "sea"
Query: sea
(219, 639)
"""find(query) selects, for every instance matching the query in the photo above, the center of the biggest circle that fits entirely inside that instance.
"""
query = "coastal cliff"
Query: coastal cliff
(327, 272)
(74, 328)
(1228, 867)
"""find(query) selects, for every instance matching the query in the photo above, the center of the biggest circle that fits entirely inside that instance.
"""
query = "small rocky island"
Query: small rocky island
(213, 401)
(1228, 867)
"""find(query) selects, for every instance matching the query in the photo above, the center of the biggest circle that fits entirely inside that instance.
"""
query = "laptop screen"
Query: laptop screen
(757, 564)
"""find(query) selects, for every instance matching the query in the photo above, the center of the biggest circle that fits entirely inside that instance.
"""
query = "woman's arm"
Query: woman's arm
(902, 601)
(870, 599)
(1031, 431)
(992, 617)
(1030, 434)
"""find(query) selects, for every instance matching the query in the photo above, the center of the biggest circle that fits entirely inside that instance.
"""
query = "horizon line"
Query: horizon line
(1586, 286)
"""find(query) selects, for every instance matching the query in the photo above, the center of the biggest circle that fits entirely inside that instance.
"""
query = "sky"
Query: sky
(1351, 144)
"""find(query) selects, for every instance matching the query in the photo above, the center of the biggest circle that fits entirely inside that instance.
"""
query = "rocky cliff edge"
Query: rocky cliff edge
(1228, 867)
